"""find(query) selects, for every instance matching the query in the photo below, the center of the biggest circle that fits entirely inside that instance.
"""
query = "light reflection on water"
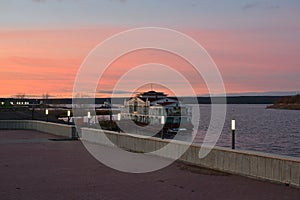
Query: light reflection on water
(258, 129)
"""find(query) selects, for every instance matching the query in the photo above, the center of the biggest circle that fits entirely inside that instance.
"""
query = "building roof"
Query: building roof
(152, 95)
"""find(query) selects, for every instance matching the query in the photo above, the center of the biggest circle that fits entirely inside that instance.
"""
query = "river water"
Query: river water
(257, 128)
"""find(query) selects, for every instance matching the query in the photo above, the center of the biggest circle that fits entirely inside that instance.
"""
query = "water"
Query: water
(258, 129)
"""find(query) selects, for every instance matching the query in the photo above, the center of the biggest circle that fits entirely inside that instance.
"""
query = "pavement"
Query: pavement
(34, 167)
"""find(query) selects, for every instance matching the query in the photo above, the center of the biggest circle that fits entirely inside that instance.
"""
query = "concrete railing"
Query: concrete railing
(47, 127)
(247, 163)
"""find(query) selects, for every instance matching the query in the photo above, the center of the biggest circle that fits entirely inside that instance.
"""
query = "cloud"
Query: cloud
(121, 1)
(254, 5)
(272, 6)
(250, 6)
(42, 1)
(39, 1)
(116, 92)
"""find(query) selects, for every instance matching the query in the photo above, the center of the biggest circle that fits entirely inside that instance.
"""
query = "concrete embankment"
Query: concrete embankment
(271, 167)
(53, 128)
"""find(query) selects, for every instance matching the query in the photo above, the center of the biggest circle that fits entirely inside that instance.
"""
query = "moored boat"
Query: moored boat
(156, 109)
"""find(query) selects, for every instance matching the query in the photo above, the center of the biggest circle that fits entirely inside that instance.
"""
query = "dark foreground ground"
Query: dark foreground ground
(33, 167)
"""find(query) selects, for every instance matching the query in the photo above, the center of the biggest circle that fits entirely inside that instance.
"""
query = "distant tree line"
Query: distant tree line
(289, 100)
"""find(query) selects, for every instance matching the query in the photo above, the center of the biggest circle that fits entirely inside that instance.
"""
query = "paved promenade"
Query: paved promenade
(34, 167)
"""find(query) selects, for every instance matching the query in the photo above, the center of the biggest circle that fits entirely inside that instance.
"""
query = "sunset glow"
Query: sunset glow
(256, 52)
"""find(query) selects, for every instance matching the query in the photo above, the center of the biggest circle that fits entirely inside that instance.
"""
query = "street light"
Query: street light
(47, 113)
(69, 115)
(89, 117)
(162, 122)
(119, 119)
(233, 133)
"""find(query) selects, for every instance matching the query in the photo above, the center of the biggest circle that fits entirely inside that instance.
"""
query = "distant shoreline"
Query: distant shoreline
(285, 106)
(287, 103)
(186, 100)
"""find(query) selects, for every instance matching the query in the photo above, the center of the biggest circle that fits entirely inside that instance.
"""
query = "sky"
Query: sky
(43, 43)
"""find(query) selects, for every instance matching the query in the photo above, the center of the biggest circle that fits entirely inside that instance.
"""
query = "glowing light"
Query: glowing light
(233, 125)
(162, 120)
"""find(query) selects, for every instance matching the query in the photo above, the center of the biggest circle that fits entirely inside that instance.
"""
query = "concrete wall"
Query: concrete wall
(247, 163)
(52, 128)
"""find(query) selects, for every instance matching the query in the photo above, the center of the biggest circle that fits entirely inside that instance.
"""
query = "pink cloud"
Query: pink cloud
(48, 60)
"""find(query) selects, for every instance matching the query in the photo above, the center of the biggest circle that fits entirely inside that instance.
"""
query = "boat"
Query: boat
(156, 109)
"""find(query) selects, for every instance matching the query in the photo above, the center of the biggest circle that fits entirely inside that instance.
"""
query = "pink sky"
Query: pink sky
(255, 44)
(35, 61)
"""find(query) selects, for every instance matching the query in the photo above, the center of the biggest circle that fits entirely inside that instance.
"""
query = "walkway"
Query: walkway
(33, 167)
